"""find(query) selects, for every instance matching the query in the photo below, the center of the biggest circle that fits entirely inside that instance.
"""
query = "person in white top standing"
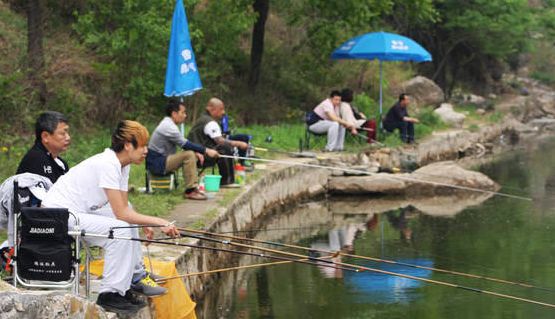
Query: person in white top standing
(326, 119)
(96, 191)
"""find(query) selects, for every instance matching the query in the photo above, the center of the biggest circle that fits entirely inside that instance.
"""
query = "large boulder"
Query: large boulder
(422, 90)
(374, 184)
(449, 116)
(440, 178)
(446, 177)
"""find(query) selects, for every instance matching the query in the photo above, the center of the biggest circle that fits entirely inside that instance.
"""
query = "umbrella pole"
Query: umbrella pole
(381, 98)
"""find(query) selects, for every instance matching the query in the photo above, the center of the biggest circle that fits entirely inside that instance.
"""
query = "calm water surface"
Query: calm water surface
(501, 237)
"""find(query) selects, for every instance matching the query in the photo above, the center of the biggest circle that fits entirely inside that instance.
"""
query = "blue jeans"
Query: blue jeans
(406, 130)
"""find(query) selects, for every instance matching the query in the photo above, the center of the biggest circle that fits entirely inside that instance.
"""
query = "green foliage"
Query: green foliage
(429, 118)
(216, 32)
(496, 28)
(495, 117)
(132, 44)
(472, 39)
(544, 77)
(473, 128)
(366, 105)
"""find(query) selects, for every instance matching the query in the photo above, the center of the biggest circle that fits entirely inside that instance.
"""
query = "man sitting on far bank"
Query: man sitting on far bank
(162, 157)
(207, 132)
(325, 119)
(398, 118)
(51, 139)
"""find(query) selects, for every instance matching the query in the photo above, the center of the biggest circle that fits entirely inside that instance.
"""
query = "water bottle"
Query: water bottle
(240, 174)
(201, 184)
(250, 150)
(235, 152)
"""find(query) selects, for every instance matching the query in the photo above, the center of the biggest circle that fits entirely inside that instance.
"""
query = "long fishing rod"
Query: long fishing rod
(443, 283)
(521, 284)
(372, 174)
(215, 271)
(292, 154)
(314, 261)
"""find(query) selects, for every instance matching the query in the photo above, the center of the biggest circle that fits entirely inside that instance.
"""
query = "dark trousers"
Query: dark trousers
(225, 165)
(406, 130)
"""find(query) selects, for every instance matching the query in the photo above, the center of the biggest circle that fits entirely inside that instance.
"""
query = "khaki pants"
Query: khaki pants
(188, 161)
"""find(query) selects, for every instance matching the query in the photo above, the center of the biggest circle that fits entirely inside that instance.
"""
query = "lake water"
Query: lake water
(496, 237)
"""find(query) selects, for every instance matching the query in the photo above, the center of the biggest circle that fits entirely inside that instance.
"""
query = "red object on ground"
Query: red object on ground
(371, 133)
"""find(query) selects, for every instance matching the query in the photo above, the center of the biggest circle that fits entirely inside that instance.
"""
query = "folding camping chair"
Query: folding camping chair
(45, 255)
(305, 144)
(154, 182)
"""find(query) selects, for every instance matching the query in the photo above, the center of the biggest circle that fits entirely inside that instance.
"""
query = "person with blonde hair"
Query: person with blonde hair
(96, 191)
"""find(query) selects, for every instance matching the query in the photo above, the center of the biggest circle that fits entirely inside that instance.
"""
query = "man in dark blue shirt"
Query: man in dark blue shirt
(398, 118)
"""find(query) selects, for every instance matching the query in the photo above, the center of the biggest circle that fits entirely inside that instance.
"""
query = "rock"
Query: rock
(542, 123)
(52, 304)
(474, 99)
(422, 90)
(448, 173)
(449, 116)
(480, 111)
(375, 184)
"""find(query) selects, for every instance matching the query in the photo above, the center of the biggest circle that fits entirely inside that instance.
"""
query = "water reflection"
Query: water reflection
(369, 228)
(496, 237)
(372, 287)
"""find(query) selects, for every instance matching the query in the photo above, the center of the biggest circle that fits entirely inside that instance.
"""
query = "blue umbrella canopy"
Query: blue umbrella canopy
(382, 46)
(182, 77)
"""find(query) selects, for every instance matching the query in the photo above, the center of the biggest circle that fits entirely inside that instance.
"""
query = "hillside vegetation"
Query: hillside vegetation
(104, 60)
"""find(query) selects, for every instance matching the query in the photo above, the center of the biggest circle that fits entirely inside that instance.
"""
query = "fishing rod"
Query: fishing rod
(292, 154)
(358, 171)
(268, 229)
(215, 271)
(314, 261)
(387, 261)
(360, 268)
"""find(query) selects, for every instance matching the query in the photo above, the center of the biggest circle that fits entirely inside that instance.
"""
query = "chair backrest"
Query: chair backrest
(44, 251)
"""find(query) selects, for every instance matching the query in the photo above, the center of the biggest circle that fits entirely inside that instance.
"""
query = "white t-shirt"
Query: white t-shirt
(81, 189)
(212, 129)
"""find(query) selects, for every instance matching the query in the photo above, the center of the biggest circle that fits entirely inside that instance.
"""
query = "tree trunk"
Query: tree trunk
(35, 52)
(261, 7)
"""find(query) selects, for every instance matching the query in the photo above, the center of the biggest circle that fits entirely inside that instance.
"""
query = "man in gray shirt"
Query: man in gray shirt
(162, 157)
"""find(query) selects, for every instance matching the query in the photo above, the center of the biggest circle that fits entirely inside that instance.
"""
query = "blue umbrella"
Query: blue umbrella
(382, 46)
(182, 77)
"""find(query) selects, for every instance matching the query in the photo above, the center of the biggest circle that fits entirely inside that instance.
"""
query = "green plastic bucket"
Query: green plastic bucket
(212, 183)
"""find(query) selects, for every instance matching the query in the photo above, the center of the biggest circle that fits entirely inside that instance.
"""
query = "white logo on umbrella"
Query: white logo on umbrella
(348, 46)
(399, 45)
(187, 66)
